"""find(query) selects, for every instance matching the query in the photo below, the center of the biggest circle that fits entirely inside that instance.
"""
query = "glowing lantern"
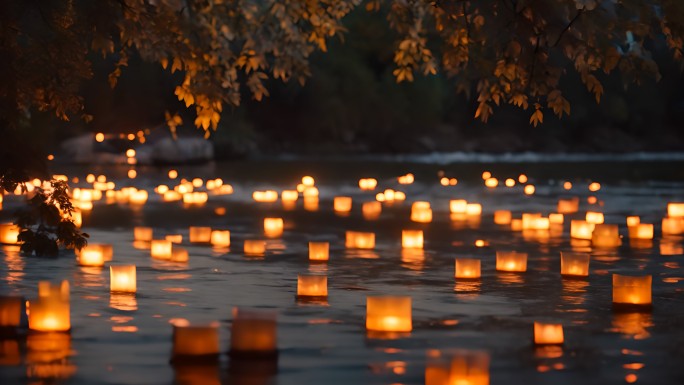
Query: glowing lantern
(160, 249)
(255, 247)
(548, 334)
(200, 234)
(675, 209)
(511, 261)
(529, 189)
(138, 198)
(502, 217)
(412, 239)
(406, 179)
(359, 240)
(594, 217)
(421, 212)
(594, 186)
(458, 206)
(195, 341)
(510, 182)
(310, 203)
(670, 226)
(273, 227)
(556, 219)
(180, 255)
(289, 196)
(9, 233)
(568, 206)
(50, 312)
(467, 268)
(457, 367)
(633, 220)
(605, 236)
(631, 291)
(491, 182)
(76, 217)
(12, 312)
(220, 238)
(308, 181)
(174, 238)
(371, 210)
(310, 192)
(516, 225)
(581, 229)
(172, 196)
(473, 209)
(574, 264)
(342, 204)
(122, 279)
(388, 314)
(641, 231)
(319, 251)
(312, 286)
(267, 196)
(195, 198)
(92, 256)
(486, 175)
(253, 334)
(367, 184)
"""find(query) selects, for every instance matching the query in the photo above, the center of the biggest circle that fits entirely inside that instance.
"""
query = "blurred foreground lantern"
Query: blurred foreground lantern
(371, 210)
(9, 233)
(421, 212)
(641, 231)
(502, 217)
(457, 367)
(220, 238)
(473, 209)
(253, 334)
(388, 314)
(265, 196)
(581, 229)
(568, 206)
(254, 247)
(122, 279)
(311, 203)
(312, 286)
(605, 235)
(574, 264)
(516, 224)
(179, 254)
(192, 343)
(172, 196)
(556, 218)
(195, 198)
(160, 249)
(138, 197)
(631, 292)
(311, 192)
(91, 255)
(548, 334)
(673, 226)
(594, 217)
(633, 220)
(200, 234)
(412, 239)
(142, 234)
(467, 268)
(511, 261)
(174, 238)
(675, 210)
(273, 227)
(458, 206)
(367, 184)
(342, 204)
(359, 240)
(319, 251)
(50, 312)
(12, 313)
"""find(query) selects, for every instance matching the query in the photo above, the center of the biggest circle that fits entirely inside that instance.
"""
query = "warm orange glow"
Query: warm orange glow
(673, 226)
(308, 181)
(675, 209)
(220, 238)
(641, 231)
(179, 255)
(594, 217)
(253, 332)
(406, 179)
(486, 175)
(458, 206)
(388, 314)
(511, 261)
(342, 204)
(254, 247)
(99, 137)
(273, 227)
(122, 279)
(130, 153)
(581, 229)
(51, 311)
(628, 290)
(130, 136)
(138, 197)
(197, 182)
(548, 334)
(371, 210)
(195, 340)
(421, 212)
(311, 203)
(574, 264)
(359, 240)
(556, 219)
(516, 224)
(11, 309)
(195, 198)
(522, 178)
(491, 182)
(172, 196)
(312, 286)
(50, 157)
(529, 189)
(467, 268)
(594, 186)
(457, 367)
(502, 217)
(142, 234)
(319, 251)
(412, 239)
(605, 235)
(568, 206)
(267, 196)
(92, 256)
(173, 174)
(567, 185)
(311, 192)
(289, 195)
(473, 209)
(510, 182)
(160, 249)
(444, 181)
(132, 174)
(453, 182)
(633, 220)
(592, 200)
(368, 184)
(200, 234)
(174, 238)
(9, 233)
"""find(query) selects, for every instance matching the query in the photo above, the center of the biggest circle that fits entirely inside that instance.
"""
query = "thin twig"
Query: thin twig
(567, 27)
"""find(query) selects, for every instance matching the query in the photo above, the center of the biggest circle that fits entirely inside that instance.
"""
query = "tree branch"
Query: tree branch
(567, 27)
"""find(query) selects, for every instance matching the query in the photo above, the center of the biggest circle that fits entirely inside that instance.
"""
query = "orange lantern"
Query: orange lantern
(456, 367)
(142, 234)
(568, 206)
(273, 227)
(266, 196)
(312, 286)
(631, 291)
(641, 231)
(574, 264)
(289, 196)
(12, 312)
(220, 238)
(51, 311)
(371, 210)
(421, 212)
(319, 251)
(556, 218)
(502, 217)
(594, 217)
(412, 239)
(605, 236)
(388, 314)
(195, 198)
(458, 206)
(138, 197)
(160, 249)
(311, 192)
(673, 226)
(633, 220)
(179, 254)
(467, 268)
(548, 334)
(473, 209)
(581, 229)
(174, 238)
(195, 341)
(342, 204)
(511, 261)
(200, 234)
(359, 240)
(491, 182)
(91, 256)
(255, 247)
(9, 233)
(172, 196)
(516, 225)
(253, 334)
(675, 210)
(122, 279)
(367, 184)
(528, 220)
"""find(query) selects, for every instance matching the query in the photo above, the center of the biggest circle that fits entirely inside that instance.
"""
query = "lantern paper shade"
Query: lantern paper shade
(161, 249)
(457, 367)
(641, 231)
(273, 227)
(412, 239)
(371, 210)
(51, 311)
(174, 238)
(200, 234)
(632, 291)
(574, 264)
(511, 261)
(289, 195)
(467, 268)
(342, 204)
(142, 234)
(556, 218)
(516, 224)
(265, 196)
(179, 254)
(388, 314)
(548, 334)
(368, 184)
(633, 220)
(195, 341)
(473, 209)
(359, 240)
(605, 235)
(91, 256)
(675, 209)
(594, 217)
(12, 312)
(312, 286)
(253, 333)
(568, 206)
(581, 229)
(9, 233)
(220, 238)
(319, 251)
(673, 226)
(254, 247)
(421, 212)
(502, 217)
(458, 206)
(122, 279)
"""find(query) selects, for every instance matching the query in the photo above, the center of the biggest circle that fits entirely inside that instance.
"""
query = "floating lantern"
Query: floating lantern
(631, 291)
(605, 236)
(310, 192)
(388, 314)
(311, 203)
(308, 181)
(675, 210)
(359, 240)
(50, 312)
(594, 217)
(9, 233)
(641, 231)
(160, 249)
(195, 198)
(491, 182)
(255, 247)
(253, 334)
(633, 220)
(502, 217)
(406, 179)
(581, 229)
(195, 342)
(138, 197)
(289, 196)
(200, 234)
(267, 196)
(568, 206)
(511, 261)
(458, 206)
(486, 175)
(92, 256)
(367, 184)
(473, 209)
(421, 212)
(180, 255)
(172, 196)
(12, 312)
(412, 239)
(516, 225)
(220, 238)
(174, 238)
(510, 182)
(529, 189)
(673, 226)
(574, 264)
(467, 268)
(342, 204)
(371, 210)
(457, 367)
(312, 286)
(122, 279)
(556, 219)
(142, 234)
(528, 219)
(76, 217)
(548, 334)
(319, 251)
(273, 227)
